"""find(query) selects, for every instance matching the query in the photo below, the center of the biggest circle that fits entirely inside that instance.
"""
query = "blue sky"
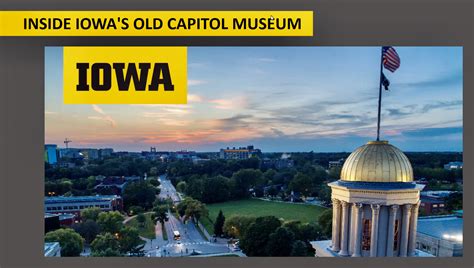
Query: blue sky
(279, 99)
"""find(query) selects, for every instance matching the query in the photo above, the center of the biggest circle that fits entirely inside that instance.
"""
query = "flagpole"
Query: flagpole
(380, 95)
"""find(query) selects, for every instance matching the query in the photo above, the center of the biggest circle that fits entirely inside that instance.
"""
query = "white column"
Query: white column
(344, 229)
(336, 204)
(391, 229)
(375, 230)
(413, 226)
(357, 231)
(405, 230)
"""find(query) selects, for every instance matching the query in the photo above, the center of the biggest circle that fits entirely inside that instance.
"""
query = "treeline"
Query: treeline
(219, 180)
(269, 236)
(112, 166)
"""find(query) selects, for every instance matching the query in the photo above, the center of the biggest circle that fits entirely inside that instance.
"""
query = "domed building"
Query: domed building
(375, 205)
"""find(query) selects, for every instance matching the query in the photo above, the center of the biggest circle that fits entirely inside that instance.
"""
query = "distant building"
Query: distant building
(239, 153)
(51, 222)
(115, 184)
(106, 152)
(440, 236)
(283, 162)
(453, 165)
(337, 163)
(52, 249)
(51, 153)
(184, 155)
(74, 204)
(84, 153)
(433, 202)
(55, 221)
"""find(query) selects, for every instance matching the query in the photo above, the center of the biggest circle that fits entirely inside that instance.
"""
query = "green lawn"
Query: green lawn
(255, 207)
(148, 230)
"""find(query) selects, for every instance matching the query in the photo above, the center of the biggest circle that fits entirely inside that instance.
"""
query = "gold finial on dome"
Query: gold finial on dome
(377, 161)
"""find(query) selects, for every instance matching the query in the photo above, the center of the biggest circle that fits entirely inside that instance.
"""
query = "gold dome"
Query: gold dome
(377, 161)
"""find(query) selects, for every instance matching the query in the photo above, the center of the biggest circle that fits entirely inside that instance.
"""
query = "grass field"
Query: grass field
(255, 207)
(147, 230)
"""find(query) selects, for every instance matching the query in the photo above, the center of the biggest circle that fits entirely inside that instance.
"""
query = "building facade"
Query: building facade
(239, 153)
(375, 205)
(441, 236)
(74, 204)
(51, 153)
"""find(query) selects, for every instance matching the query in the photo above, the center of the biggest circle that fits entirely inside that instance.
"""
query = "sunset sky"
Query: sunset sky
(280, 99)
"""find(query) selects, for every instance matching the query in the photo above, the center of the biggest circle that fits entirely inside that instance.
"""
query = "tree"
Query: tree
(244, 179)
(111, 221)
(324, 194)
(160, 214)
(105, 245)
(216, 189)
(90, 214)
(255, 239)
(154, 182)
(334, 173)
(192, 209)
(139, 193)
(272, 191)
(454, 201)
(300, 249)
(219, 224)
(130, 241)
(88, 229)
(280, 242)
(301, 183)
(237, 225)
(71, 242)
(141, 219)
(181, 186)
(153, 171)
(134, 210)
(195, 187)
(325, 222)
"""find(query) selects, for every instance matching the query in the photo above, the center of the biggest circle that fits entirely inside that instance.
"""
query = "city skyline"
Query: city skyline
(321, 99)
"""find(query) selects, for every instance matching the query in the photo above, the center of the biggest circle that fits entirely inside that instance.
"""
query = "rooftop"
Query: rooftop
(447, 227)
(377, 161)
(95, 198)
(50, 247)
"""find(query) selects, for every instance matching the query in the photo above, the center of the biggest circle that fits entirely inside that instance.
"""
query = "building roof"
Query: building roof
(377, 161)
(50, 248)
(441, 227)
(377, 185)
(62, 199)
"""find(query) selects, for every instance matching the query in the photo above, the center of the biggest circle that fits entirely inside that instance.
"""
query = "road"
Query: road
(191, 239)
(168, 190)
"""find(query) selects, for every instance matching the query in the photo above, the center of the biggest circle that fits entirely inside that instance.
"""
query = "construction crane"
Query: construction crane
(67, 141)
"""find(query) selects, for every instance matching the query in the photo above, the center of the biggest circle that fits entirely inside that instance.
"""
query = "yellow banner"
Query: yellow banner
(125, 75)
(156, 23)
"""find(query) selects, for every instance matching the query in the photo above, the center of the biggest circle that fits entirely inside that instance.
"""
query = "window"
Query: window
(48, 209)
(81, 207)
(435, 205)
(441, 205)
(367, 226)
(395, 235)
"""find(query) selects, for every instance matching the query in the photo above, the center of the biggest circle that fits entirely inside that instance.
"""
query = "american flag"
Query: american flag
(390, 58)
